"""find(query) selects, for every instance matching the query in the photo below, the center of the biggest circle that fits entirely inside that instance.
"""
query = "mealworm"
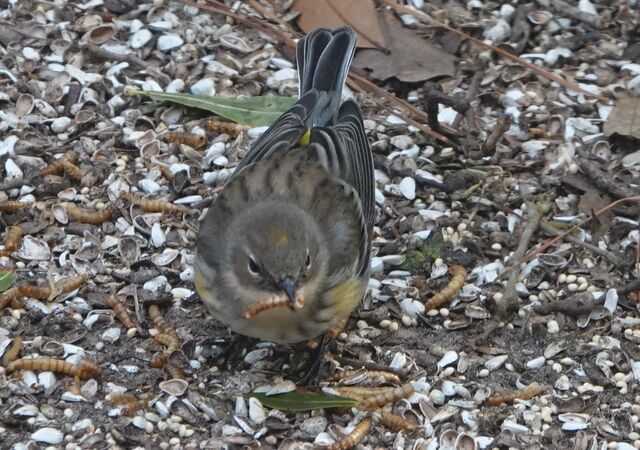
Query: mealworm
(131, 404)
(72, 170)
(362, 392)
(157, 206)
(35, 291)
(85, 370)
(87, 216)
(334, 331)
(175, 372)
(355, 437)
(276, 301)
(166, 173)
(396, 422)
(169, 340)
(62, 286)
(12, 239)
(121, 311)
(69, 284)
(192, 140)
(166, 335)
(526, 393)
(11, 206)
(387, 377)
(220, 127)
(459, 277)
(159, 361)
(12, 352)
(383, 398)
(57, 166)
(9, 296)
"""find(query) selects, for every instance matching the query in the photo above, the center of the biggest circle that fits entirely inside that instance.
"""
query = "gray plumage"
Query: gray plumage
(304, 212)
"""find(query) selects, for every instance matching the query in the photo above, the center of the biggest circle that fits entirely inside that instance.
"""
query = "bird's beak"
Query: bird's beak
(288, 286)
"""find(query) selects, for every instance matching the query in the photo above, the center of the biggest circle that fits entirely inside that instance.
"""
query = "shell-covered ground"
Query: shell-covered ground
(83, 161)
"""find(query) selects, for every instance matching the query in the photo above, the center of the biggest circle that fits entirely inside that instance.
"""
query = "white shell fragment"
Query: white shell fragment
(140, 38)
(34, 249)
(48, 435)
(496, 362)
(408, 188)
(169, 42)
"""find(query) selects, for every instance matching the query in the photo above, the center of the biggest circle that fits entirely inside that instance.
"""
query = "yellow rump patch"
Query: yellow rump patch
(304, 140)
(345, 296)
(278, 236)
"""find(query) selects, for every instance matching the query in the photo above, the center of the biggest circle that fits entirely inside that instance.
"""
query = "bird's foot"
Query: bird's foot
(313, 367)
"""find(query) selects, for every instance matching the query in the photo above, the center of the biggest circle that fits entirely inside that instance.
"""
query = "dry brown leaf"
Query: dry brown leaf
(625, 118)
(411, 57)
(592, 200)
(361, 15)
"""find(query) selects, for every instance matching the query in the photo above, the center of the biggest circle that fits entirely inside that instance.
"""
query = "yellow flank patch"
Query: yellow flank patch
(304, 140)
(200, 284)
(277, 236)
(345, 296)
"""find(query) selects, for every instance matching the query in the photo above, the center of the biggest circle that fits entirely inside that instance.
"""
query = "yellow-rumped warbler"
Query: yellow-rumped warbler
(295, 219)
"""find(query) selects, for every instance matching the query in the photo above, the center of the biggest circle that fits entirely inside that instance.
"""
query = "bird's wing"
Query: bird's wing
(344, 151)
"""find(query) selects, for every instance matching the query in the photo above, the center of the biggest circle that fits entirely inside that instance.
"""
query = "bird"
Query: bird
(294, 221)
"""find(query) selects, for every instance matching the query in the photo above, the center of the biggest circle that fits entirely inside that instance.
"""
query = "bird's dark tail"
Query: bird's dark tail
(324, 58)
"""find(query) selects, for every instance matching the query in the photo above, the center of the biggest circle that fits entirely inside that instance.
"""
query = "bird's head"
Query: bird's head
(276, 250)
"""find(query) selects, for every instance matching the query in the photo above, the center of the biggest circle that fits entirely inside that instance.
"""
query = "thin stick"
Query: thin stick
(510, 297)
(501, 128)
(364, 84)
(619, 262)
(533, 253)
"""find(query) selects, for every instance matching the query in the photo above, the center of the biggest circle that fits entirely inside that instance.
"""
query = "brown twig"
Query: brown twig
(361, 84)
(619, 262)
(503, 53)
(501, 128)
(533, 253)
(433, 96)
(131, 59)
(509, 300)
(472, 91)
(601, 179)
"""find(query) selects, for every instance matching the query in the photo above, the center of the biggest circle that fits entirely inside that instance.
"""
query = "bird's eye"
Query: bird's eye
(308, 261)
(253, 267)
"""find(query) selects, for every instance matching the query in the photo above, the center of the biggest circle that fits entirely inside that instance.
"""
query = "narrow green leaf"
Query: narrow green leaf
(6, 280)
(302, 401)
(250, 111)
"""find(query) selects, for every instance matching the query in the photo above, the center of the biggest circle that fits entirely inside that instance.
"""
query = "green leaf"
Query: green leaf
(302, 401)
(250, 111)
(6, 280)
(433, 247)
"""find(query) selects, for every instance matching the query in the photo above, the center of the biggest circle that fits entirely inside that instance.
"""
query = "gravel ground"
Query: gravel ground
(565, 317)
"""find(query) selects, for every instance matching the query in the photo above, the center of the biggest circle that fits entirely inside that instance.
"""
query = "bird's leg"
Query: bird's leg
(311, 370)
(233, 352)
